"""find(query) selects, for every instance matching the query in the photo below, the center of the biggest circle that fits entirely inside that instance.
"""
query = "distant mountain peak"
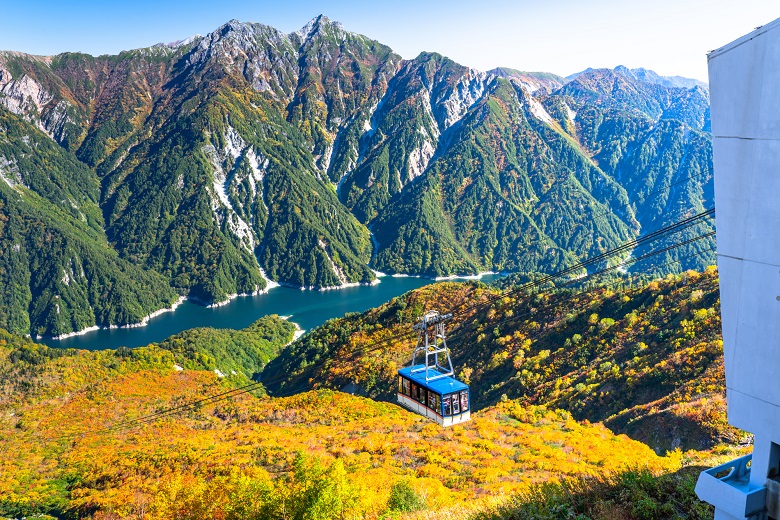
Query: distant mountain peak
(177, 43)
(650, 76)
(646, 76)
(533, 81)
(316, 26)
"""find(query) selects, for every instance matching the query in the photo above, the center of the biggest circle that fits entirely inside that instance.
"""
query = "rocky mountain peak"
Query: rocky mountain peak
(645, 76)
(317, 26)
(233, 29)
(595, 80)
(236, 43)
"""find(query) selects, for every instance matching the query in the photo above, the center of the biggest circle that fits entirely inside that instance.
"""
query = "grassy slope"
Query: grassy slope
(636, 494)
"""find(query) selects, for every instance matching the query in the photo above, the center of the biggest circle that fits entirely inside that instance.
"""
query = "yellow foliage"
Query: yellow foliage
(226, 459)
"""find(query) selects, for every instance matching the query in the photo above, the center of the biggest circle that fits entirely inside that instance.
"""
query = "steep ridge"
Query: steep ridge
(342, 75)
(575, 148)
(251, 174)
(427, 97)
(649, 76)
(533, 81)
(652, 140)
(147, 213)
(58, 273)
(503, 183)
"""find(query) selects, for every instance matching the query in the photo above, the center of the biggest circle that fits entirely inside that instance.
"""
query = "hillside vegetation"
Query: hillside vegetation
(636, 494)
(71, 450)
(57, 272)
(240, 354)
(647, 360)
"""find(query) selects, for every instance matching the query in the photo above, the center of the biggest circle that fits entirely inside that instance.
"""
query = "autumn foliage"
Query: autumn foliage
(644, 358)
(90, 434)
(69, 450)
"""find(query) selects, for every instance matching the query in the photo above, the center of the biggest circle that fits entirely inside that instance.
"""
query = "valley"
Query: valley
(257, 182)
(306, 309)
(219, 164)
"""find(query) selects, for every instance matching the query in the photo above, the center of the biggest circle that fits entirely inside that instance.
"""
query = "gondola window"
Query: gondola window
(464, 401)
(447, 405)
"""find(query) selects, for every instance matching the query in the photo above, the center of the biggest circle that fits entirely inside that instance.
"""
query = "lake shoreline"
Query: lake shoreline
(143, 323)
(449, 278)
(307, 308)
(194, 299)
(298, 331)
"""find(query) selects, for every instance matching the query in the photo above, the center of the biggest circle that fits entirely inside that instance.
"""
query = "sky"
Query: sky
(671, 37)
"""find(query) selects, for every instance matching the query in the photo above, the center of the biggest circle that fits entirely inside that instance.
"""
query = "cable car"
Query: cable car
(429, 388)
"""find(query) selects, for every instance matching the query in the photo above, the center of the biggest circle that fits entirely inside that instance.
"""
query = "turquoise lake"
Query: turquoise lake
(306, 308)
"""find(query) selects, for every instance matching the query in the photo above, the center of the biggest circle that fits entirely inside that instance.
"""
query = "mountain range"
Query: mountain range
(216, 165)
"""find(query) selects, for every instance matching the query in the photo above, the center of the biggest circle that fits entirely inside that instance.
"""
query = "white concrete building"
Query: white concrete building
(745, 101)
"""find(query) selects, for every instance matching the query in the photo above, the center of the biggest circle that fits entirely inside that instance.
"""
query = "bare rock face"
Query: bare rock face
(458, 99)
(56, 119)
(5, 77)
(413, 122)
(27, 98)
(266, 57)
(22, 96)
(9, 172)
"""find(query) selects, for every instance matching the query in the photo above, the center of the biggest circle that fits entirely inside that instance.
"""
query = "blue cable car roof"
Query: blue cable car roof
(445, 385)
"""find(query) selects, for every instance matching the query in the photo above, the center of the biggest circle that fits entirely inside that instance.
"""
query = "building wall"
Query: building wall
(745, 101)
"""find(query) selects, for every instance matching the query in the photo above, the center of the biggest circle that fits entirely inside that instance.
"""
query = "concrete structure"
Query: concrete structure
(745, 100)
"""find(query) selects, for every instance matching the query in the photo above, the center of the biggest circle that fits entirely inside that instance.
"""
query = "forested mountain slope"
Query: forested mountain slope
(647, 360)
(223, 161)
(58, 273)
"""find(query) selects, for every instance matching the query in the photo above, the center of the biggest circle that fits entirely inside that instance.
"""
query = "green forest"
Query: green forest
(207, 168)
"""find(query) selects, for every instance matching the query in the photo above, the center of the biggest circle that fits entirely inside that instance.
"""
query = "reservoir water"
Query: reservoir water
(306, 308)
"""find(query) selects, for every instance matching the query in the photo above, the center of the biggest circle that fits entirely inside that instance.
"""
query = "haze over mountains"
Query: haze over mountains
(210, 166)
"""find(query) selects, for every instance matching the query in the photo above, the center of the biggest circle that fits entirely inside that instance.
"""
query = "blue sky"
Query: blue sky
(560, 36)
